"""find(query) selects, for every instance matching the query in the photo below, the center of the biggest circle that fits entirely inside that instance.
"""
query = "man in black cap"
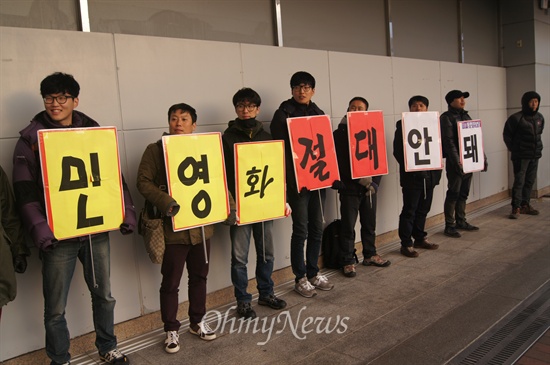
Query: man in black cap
(458, 183)
(522, 135)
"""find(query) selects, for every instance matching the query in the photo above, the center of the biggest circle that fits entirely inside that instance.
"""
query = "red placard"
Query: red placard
(314, 155)
(367, 144)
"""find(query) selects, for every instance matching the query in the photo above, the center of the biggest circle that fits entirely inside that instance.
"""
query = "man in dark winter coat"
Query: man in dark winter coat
(458, 183)
(357, 197)
(13, 249)
(418, 190)
(307, 206)
(245, 128)
(522, 135)
(60, 94)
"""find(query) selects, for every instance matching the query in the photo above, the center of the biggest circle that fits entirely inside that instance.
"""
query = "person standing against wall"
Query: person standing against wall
(523, 137)
(357, 197)
(307, 206)
(246, 128)
(182, 247)
(13, 250)
(60, 95)
(418, 190)
(458, 182)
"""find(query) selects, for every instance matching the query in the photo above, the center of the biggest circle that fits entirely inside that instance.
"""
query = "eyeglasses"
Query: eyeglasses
(249, 107)
(61, 99)
(304, 88)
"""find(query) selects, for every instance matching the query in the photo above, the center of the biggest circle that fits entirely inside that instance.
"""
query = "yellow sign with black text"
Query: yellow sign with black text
(82, 180)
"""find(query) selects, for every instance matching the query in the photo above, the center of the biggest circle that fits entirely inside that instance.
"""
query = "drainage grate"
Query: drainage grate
(506, 341)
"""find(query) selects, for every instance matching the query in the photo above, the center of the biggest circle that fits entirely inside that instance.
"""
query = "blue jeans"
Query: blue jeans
(525, 173)
(350, 207)
(307, 223)
(58, 266)
(240, 244)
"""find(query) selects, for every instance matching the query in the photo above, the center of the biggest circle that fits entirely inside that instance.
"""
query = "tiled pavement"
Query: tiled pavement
(417, 311)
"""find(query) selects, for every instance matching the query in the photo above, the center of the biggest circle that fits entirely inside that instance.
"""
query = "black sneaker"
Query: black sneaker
(114, 357)
(467, 227)
(272, 301)
(244, 310)
(451, 232)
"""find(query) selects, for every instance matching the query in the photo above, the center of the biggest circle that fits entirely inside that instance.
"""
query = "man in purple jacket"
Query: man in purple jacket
(60, 94)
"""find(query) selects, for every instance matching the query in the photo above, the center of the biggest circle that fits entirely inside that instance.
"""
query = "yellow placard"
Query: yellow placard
(82, 180)
(196, 178)
(260, 181)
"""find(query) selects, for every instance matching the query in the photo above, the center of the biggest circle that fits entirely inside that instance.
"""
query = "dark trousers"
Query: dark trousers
(307, 223)
(175, 257)
(350, 207)
(412, 220)
(458, 189)
(525, 173)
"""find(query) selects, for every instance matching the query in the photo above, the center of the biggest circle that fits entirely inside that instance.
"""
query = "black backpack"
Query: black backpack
(332, 252)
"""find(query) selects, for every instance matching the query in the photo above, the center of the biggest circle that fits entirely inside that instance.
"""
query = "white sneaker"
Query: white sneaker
(321, 282)
(203, 330)
(304, 288)
(172, 342)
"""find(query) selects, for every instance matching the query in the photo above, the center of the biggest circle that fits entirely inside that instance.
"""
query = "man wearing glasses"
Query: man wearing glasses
(60, 94)
(307, 215)
(245, 128)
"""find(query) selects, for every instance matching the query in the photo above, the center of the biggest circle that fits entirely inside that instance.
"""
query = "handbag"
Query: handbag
(151, 228)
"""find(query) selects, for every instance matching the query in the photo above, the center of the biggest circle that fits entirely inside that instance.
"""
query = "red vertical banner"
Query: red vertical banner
(313, 152)
(367, 144)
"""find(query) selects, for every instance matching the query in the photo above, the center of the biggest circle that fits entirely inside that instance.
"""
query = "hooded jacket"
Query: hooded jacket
(240, 131)
(279, 130)
(523, 131)
(152, 183)
(29, 187)
(12, 242)
(412, 180)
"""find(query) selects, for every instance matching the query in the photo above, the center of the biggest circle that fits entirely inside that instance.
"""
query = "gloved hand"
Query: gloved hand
(231, 218)
(288, 210)
(372, 188)
(125, 229)
(20, 263)
(338, 185)
(303, 191)
(365, 181)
